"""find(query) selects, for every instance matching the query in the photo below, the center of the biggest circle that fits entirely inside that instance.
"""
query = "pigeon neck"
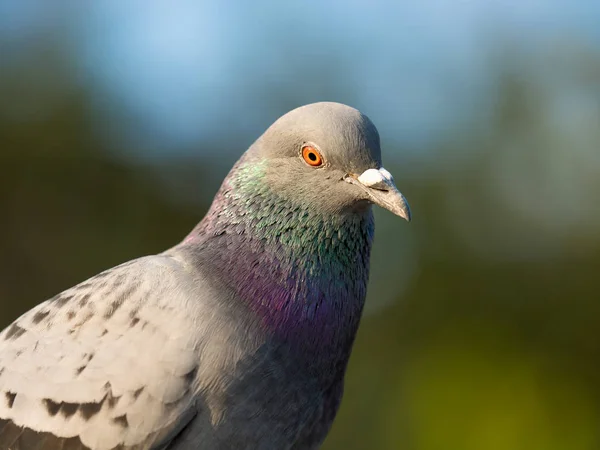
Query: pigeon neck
(302, 274)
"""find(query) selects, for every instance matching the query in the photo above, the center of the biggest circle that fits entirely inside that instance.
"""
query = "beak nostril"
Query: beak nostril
(381, 187)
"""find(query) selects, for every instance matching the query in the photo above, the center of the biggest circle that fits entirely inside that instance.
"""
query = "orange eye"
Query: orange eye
(312, 156)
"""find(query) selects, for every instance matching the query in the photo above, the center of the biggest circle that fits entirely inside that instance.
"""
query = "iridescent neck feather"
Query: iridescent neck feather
(303, 273)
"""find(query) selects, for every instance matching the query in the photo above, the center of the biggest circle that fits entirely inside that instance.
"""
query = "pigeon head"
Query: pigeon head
(290, 231)
(328, 156)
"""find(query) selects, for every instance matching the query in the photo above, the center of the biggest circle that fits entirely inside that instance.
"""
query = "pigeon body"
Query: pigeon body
(238, 337)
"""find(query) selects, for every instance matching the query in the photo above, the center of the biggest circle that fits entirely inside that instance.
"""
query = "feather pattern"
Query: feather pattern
(65, 370)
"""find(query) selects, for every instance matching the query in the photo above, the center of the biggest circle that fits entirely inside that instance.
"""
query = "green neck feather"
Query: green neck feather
(304, 273)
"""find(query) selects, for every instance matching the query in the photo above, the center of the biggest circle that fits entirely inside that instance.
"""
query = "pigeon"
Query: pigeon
(239, 336)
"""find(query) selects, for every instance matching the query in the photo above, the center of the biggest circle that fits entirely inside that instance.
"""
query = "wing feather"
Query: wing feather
(109, 363)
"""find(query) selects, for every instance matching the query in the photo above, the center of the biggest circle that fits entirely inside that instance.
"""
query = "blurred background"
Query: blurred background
(118, 120)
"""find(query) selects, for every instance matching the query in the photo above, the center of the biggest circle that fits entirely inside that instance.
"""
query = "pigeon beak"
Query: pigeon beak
(380, 187)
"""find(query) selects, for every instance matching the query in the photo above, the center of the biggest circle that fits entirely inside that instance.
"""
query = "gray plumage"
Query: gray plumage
(238, 337)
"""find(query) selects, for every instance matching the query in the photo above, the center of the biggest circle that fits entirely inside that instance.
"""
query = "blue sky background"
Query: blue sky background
(184, 71)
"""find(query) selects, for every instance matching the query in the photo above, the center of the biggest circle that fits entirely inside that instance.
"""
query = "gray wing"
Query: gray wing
(111, 363)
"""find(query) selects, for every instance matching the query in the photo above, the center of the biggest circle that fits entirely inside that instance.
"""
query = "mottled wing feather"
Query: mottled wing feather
(110, 363)
(13, 437)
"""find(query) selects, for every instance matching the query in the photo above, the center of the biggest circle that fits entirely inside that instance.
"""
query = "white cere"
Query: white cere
(374, 177)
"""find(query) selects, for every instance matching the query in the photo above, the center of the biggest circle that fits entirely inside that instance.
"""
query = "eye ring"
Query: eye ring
(312, 156)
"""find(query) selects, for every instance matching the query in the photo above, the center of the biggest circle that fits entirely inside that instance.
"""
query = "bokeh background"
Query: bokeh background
(119, 119)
